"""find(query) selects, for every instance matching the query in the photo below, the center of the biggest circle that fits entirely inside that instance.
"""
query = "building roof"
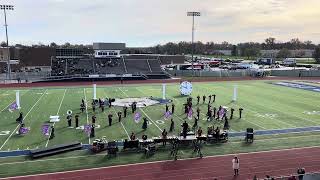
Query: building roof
(109, 46)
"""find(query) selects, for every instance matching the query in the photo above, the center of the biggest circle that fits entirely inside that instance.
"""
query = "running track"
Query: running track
(275, 163)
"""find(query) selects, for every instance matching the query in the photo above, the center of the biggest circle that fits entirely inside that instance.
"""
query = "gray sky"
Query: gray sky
(150, 22)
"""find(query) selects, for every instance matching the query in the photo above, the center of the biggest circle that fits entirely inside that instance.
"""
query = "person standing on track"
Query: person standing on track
(235, 165)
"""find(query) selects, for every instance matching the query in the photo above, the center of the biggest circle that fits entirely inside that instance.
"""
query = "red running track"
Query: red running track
(275, 163)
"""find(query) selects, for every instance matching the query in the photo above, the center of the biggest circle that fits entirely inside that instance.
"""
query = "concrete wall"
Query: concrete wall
(295, 73)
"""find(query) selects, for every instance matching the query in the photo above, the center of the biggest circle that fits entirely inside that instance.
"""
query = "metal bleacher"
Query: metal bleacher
(109, 66)
(137, 66)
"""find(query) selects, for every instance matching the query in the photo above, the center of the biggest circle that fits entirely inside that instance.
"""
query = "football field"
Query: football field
(266, 107)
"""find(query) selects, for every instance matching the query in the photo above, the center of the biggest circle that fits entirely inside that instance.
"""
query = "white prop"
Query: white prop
(234, 93)
(18, 99)
(94, 91)
(163, 91)
(54, 118)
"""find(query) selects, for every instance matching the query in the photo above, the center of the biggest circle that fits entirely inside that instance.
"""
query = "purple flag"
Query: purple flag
(87, 128)
(45, 129)
(190, 112)
(222, 112)
(167, 115)
(137, 117)
(13, 106)
(24, 130)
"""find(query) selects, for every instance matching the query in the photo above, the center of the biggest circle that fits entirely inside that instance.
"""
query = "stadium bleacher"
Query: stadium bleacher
(148, 66)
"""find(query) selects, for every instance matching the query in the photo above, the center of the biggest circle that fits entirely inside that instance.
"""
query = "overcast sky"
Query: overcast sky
(150, 22)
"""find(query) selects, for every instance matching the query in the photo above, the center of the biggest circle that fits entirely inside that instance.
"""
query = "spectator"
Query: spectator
(235, 165)
(301, 173)
(255, 177)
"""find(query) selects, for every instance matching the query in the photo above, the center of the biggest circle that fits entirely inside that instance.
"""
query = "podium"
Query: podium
(54, 119)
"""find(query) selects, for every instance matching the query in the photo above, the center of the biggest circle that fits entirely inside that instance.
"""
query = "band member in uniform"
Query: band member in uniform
(52, 135)
(132, 136)
(198, 113)
(240, 112)
(186, 108)
(209, 99)
(92, 132)
(69, 119)
(134, 107)
(145, 123)
(214, 112)
(102, 107)
(209, 118)
(185, 129)
(164, 136)
(93, 106)
(199, 132)
(214, 98)
(195, 125)
(119, 116)
(231, 114)
(99, 102)
(171, 125)
(110, 119)
(20, 118)
(172, 108)
(218, 113)
(204, 98)
(198, 99)
(82, 101)
(93, 119)
(77, 120)
(167, 108)
(144, 137)
(125, 111)
(226, 123)
(209, 106)
(82, 107)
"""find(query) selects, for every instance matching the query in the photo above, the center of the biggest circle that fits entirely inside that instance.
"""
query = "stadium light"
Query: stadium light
(193, 14)
(6, 8)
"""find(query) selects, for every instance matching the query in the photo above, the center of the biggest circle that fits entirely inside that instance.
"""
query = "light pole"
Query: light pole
(5, 8)
(193, 14)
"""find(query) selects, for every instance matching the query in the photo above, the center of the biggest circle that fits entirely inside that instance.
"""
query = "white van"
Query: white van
(289, 61)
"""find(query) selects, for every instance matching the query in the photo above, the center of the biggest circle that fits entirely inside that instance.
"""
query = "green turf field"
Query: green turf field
(265, 106)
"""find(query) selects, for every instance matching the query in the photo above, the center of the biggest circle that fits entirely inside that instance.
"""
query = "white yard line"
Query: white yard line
(114, 109)
(85, 99)
(57, 115)
(142, 111)
(23, 119)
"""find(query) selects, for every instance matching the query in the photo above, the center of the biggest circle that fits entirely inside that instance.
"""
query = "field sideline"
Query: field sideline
(265, 106)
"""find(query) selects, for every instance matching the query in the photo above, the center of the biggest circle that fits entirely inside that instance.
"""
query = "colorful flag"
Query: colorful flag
(167, 115)
(87, 128)
(13, 106)
(24, 130)
(222, 112)
(137, 117)
(190, 112)
(45, 129)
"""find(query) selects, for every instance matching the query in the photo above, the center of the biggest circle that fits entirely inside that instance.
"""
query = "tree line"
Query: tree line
(247, 49)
